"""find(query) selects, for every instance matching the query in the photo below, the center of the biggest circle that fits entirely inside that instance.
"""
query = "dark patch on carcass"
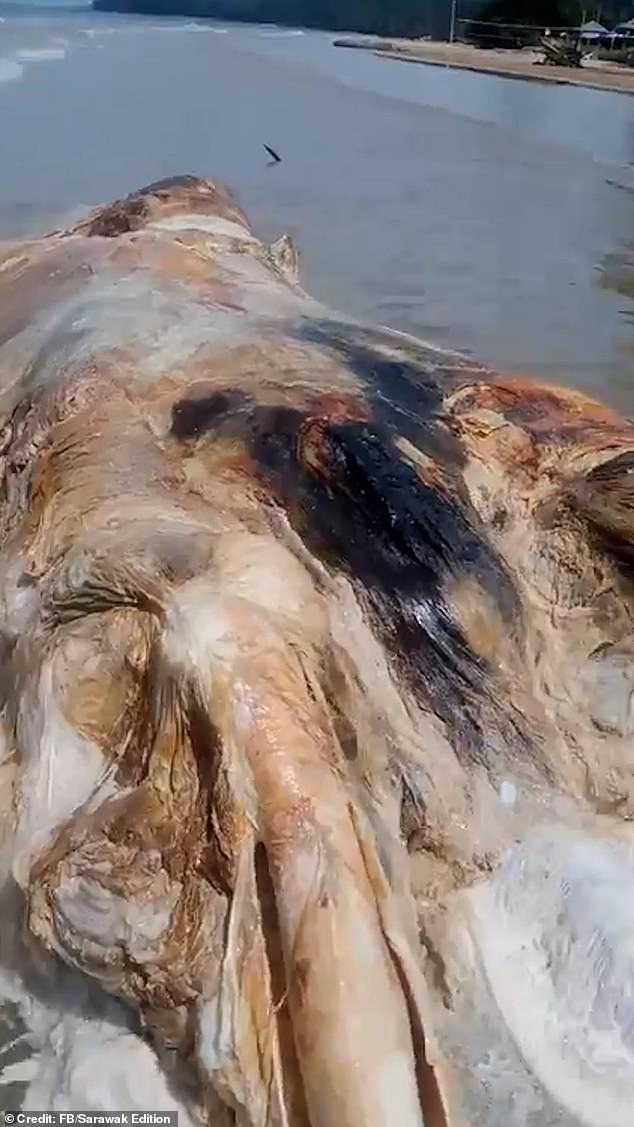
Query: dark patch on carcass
(281, 988)
(193, 194)
(169, 184)
(335, 690)
(413, 825)
(130, 213)
(217, 862)
(25, 579)
(196, 414)
(549, 415)
(8, 643)
(362, 510)
(120, 217)
(403, 391)
(429, 1096)
(605, 499)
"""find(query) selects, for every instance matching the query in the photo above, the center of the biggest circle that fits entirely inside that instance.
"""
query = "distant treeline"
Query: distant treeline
(407, 18)
(554, 13)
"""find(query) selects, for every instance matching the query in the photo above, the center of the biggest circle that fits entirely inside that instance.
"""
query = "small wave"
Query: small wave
(170, 28)
(40, 54)
(278, 34)
(178, 28)
(10, 70)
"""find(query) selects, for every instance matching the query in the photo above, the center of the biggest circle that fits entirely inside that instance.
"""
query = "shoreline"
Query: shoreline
(594, 75)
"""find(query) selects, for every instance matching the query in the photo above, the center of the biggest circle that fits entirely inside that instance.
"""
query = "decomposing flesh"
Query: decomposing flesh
(317, 672)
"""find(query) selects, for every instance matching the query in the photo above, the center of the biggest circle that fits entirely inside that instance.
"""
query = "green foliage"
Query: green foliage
(612, 12)
(544, 13)
(556, 13)
(624, 56)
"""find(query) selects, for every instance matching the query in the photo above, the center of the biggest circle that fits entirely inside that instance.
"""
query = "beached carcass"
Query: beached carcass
(317, 676)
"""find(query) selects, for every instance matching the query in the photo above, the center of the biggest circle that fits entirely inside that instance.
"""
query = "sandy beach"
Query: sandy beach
(594, 73)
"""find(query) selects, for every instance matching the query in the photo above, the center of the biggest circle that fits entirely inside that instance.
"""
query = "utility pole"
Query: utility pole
(452, 21)
(584, 17)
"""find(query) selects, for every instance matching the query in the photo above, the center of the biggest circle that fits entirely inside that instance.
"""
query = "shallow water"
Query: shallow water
(485, 214)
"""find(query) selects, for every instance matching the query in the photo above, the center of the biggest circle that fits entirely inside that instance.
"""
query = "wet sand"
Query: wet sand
(594, 73)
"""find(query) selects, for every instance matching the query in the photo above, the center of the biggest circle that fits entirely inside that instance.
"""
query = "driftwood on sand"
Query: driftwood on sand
(560, 52)
(317, 674)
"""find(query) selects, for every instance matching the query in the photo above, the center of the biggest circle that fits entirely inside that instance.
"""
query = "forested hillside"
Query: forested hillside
(381, 17)
(378, 17)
